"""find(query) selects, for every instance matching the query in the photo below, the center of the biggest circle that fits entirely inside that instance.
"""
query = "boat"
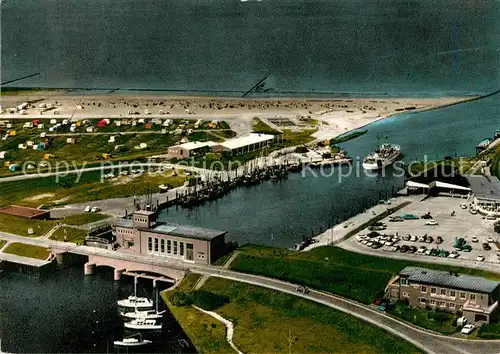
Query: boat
(134, 301)
(143, 323)
(148, 314)
(385, 155)
(132, 342)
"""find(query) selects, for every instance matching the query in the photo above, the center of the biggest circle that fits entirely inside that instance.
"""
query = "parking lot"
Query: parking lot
(399, 236)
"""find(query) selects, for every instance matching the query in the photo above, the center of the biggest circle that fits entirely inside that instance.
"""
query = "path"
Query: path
(227, 323)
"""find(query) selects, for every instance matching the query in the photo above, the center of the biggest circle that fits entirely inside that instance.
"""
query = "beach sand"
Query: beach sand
(334, 116)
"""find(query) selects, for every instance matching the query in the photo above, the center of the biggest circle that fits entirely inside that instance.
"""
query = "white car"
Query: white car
(453, 254)
(475, 239)
(95, 209)
(468, 329)
(413, 238)
(480, 258)
(431, 222)
(87, 209)
(490, 239)
(463, 206)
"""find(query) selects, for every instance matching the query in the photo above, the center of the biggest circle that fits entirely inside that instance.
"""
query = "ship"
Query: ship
(385, 155)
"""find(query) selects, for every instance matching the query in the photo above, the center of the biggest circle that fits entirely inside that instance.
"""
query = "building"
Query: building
(142, 234)
(183, 151)
(477, 298)
(247, 143)
(485, 194)
(25, 212)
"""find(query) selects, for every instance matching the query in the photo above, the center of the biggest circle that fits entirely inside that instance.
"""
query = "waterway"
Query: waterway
(398, 47)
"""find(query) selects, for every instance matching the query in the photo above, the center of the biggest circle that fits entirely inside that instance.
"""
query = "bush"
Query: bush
(180, 298)
(301, 149)
(207, 300)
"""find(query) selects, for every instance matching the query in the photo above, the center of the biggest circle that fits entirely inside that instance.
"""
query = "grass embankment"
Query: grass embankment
(30, 251)
(348, 136)
(2, 243)
(20, 226)
(82, 219)
(12, 91)
(495, 162)
(489, 331)
(349, 274)
(258, 126)
(206, 333)
(69, 234)
(462, 165)
(265, 320)
(51, 191)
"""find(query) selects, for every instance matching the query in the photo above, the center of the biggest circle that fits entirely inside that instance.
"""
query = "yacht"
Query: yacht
(143, 323)
(134, 301)
(385, 155)
(147, 314)
(132, 342)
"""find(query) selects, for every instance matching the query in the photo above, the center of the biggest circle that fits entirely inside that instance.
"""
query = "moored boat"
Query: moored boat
(132, 342)
(135, 302)
(143, 323)
(150, 314)
(385, 155)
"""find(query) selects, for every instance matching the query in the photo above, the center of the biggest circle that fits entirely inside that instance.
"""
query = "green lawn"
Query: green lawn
(2, 243)
(489, 331)
(264, 321)
(69, 234)
(349, 274)
(439, 321)
(349, 136)
(82, 219)
(20, 226)
(206, 333)
(24, 250)
(258, 126)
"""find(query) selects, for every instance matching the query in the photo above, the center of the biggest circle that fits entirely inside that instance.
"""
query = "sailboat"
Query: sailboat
(143, 323)
(134, 301)
(132, 342)
(148, 314)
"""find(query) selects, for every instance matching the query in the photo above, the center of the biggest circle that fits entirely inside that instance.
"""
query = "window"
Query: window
(433, 302)
(473, 297)
(181, 249)
(189, 251)
(404, 281)
(156, 244)
(460, 307)
(453, 293)
(462, 295)
(441, 303)
(443, 291)
(451, 305)
(201, 255)
(150, 244)
(169, 246)
(162, 246)
(423, 301)
(423, 289)
(433, 291)
(175, 247)
(405, 294)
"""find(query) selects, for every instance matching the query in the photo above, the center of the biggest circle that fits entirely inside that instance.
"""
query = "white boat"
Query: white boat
(150, 314)
(132, 342)
(385, 155)
(143, 323)
(134, 301)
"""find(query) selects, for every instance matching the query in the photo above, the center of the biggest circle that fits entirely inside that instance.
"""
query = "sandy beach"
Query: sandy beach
(333, 116)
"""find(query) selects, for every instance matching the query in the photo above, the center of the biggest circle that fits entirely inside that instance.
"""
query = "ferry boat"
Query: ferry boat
(385, 155)
(132, 342)
(143, 323)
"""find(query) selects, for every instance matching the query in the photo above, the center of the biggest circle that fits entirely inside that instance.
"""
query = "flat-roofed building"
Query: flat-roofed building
(186, 150)
(243, 144)
(143, 234)
(485, 194)
(476, 297)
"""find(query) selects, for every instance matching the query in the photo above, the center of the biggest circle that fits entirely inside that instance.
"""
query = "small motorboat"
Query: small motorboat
(150, 314)
(135, 302)
(143, 323)
(132, 342)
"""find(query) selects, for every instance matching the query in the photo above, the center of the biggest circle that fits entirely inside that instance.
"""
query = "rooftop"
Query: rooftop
(252, 138)
(187, 231)
(24, 212)
(193, 145)
(144, 212)
(124, 222)
(485, 188)
(447, 280)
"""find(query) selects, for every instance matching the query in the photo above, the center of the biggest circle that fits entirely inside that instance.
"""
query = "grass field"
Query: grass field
(264, 320)
(352, 275)
(489, 331)
(30, 251)
(348, 136)
(72, 234)
(82, 219)
(206, 333)
(258, 126)
(20, 226)
(2, 243)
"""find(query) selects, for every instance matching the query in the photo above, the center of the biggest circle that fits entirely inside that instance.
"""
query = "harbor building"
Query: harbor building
(477, 298)
(244, 144)
(485, 194)
(143, 234)
(183, 151)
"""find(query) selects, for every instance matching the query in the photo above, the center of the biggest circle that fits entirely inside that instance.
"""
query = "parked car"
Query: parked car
(486, 247)
(406, 237)
(429, 239)
(490, 239)
(439, 240)
(422, 249)
(453, 254)
(413, 238)
(409, 217)
(474, 239)
(467, 248)
(87, 209)
(431, 222)
(396, 218)
(468, 329)
(404, 249)
(422, 238)
(302, 289)
(463, 205)
(413, 249)
(426, 216)
(95, 209)
(480, 258)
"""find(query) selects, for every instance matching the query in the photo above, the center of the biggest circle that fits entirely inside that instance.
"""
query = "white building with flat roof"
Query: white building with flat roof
(186, 150)
(247, 143)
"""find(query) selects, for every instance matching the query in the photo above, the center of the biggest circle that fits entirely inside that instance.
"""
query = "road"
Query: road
(429, 342)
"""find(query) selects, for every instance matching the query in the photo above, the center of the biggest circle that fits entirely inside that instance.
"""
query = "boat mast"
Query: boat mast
(156, 294)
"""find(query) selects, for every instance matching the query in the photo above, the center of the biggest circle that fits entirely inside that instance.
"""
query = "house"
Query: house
(476, 297)
(144, 235)
(186, 150)
(244, 144)
(485, 194)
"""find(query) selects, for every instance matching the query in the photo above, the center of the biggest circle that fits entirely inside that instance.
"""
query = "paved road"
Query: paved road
(427, 341)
